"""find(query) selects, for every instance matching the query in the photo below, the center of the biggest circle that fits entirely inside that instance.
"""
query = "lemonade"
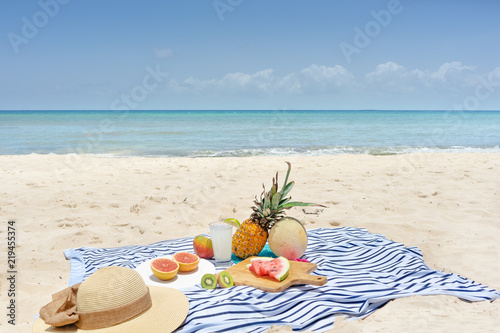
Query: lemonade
(221, 234)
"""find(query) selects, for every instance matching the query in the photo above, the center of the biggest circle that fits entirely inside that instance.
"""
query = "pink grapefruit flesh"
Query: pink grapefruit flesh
(187, 261)
(164, 269)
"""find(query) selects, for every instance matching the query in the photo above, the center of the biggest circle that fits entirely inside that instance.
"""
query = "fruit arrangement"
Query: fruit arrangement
(286, 235)
(223, 279)
(166, 269)
(277, 268)
(252, 235)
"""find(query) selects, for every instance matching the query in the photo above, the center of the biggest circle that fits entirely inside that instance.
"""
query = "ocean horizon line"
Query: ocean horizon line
(249, 110)
(284, 152)
(247, 132)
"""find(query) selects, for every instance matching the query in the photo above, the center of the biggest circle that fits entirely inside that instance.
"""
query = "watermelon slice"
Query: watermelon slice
(277, 268)
(251, 268)
(258, 263)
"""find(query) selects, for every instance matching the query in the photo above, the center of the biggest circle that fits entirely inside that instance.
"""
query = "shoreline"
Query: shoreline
(217, 133)
(289, 151)
(446, 204)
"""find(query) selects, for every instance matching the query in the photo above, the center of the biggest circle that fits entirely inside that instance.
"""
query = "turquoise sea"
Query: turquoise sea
(246, 133)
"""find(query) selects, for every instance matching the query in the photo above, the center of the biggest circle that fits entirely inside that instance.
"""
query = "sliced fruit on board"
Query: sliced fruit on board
(299, 273)
(277, 268)
(257, 265)
(164, 269)
(187, 261)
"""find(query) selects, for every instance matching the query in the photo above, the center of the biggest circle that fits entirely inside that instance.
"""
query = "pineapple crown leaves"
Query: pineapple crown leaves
(271, 205)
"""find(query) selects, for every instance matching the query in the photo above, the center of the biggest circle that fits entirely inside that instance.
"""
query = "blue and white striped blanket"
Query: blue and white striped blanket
(364, 272)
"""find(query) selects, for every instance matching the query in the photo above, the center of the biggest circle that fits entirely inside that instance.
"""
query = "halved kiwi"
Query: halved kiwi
(208, 281)
(225, 280)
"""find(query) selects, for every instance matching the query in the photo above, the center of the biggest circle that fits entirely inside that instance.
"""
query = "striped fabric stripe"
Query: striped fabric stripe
(364, 272)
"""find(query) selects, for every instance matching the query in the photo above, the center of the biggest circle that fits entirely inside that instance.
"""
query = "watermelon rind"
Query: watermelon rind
(280, 267)
(276, 268)
(261, 258)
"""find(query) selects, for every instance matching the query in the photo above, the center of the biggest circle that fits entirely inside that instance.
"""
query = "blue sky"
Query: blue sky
(249, 54)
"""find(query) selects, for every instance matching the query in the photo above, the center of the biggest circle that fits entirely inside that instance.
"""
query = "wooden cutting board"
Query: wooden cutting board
(299, 274)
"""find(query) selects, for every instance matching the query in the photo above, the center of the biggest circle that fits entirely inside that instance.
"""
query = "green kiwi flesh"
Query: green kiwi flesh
(208, 281)
(225, 280)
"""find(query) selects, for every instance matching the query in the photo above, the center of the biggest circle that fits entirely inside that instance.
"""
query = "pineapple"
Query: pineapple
(251, 236)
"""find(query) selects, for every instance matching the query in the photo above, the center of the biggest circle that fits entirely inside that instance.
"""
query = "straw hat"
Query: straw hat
(116, 299)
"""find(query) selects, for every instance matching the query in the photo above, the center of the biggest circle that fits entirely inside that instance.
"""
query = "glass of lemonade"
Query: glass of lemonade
(221, 234)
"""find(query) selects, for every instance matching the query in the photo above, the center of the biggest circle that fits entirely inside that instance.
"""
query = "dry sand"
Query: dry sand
(446, 204)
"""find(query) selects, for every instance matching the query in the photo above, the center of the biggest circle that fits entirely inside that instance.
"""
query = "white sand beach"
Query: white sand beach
(447, 204)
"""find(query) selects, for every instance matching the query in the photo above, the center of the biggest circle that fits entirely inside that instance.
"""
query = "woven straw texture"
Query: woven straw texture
(108, 288)
(169, 309)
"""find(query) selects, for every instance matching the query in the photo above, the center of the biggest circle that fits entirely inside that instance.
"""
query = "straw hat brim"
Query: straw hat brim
(169, 310)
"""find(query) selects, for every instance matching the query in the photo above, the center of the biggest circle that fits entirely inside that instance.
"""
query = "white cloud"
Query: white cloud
(163, 53)
(260, 81)
(289, 84)
(451, 70)
(389, 74)
(448, 82)
(324, 79)
(496, 73)
(449, 77)
(388, 67)
(317, 79)
(323, 73)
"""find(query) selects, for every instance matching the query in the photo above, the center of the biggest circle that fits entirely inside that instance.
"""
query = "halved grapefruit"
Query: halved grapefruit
(164, 269)
(187, 261)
